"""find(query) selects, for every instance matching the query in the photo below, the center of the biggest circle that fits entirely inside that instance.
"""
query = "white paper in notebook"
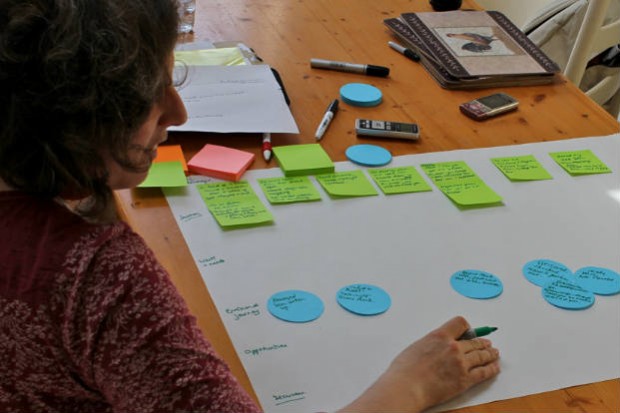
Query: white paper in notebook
(234, 99)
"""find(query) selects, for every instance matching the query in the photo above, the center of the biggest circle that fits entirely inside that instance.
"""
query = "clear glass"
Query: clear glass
(187, 12)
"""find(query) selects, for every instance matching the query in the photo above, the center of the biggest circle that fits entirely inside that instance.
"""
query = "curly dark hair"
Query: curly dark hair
(77, 78)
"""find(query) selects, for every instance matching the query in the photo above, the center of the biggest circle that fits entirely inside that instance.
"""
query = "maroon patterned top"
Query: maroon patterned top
(89, 321)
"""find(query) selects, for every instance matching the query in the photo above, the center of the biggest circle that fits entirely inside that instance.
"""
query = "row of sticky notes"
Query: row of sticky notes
(455, 179)
(229, 164)
(169, 167)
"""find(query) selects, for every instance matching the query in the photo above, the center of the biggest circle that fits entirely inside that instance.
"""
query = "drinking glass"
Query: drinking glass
(187, 11)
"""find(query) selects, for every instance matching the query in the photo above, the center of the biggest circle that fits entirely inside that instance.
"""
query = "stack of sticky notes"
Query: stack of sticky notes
(221, 162)
(308, 159)
(168, 168)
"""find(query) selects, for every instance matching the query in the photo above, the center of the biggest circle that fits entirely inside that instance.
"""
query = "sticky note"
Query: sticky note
(461, 184)
(399, 180)
(364, 299)
(225, 56)
(602, 281)
(368, 155)
(234, 204)
(565, 294)
(582, 162)
(476, 284)
(171, 153)
(347, 184)
(165, 174)
(360, 94)
(307, 159)
(295, 306)
(540, 272)
(289, 190)
(221, 162)
(521, 168)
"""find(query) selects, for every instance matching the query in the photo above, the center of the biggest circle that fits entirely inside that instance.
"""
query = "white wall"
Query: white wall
(519, 11)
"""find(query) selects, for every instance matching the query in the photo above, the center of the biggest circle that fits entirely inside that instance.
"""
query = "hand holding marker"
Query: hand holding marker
(477, 332)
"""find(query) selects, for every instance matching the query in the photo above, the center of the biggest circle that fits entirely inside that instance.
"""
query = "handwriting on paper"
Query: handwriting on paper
(288, 190)
(190, 217)
(260, 350)
(237, 313)
(565, 294)
(399, 180)
(521, 168)
(460, 183)
(211, 261)
(288, 397)
(234, 203)
(580, 162)
(349, 183)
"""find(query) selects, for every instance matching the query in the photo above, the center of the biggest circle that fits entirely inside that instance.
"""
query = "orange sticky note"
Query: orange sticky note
(221, 162)
(171, 153)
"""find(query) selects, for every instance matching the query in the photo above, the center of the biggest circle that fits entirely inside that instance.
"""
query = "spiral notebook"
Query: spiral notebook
(473, 49)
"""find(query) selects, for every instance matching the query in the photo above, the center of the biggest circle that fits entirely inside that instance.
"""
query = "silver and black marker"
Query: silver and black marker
(370, 70)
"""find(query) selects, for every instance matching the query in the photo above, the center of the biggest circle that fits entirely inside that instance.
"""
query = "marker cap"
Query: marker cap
(379, 71)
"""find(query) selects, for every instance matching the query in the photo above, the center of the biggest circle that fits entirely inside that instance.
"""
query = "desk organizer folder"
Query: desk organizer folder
(473, 49)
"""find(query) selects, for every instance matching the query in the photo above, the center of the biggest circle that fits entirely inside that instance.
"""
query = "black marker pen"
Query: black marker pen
(370, 70)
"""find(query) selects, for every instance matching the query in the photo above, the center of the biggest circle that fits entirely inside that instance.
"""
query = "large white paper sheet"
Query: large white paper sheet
(410, 245)
(234, 99)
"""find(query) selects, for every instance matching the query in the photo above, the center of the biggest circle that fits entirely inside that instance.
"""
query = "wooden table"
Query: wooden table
(287, 33)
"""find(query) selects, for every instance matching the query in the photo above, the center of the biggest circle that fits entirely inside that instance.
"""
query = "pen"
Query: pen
(403, 50)
(267, 146)
(477, 332)
(327, 118)
(370, 70)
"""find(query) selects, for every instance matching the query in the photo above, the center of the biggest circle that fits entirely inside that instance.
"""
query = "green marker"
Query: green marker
(477, 332)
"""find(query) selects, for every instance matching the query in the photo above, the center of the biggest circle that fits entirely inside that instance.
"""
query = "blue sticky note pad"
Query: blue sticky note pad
(476, 284)
(295, 306)
(368, 155)
(540, 272)
(568, 295)
(360, 94)
(601, 281)
(364, 299)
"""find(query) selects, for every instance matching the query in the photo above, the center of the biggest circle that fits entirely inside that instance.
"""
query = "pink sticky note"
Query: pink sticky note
(221, 162)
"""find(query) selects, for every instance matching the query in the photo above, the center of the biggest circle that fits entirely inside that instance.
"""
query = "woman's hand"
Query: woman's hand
(430, 371)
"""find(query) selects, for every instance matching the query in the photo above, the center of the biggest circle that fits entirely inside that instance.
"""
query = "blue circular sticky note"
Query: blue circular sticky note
(363, 299)
(540, 272)
(476, 284)
(295, 306)
(568, 295)
(368, 155)
(601, 281)
(360, 94)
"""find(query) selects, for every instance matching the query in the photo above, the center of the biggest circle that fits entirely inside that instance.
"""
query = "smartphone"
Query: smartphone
(387, 129)
(488, 106)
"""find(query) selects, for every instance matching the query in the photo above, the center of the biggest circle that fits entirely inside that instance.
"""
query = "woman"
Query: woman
(89, 321)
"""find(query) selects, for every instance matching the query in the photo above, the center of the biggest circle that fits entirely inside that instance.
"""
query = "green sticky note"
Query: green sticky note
(399, 180)
(461, 184)
(308, 159)
(165, 174)
(347, 184)
(226, 56)
(289, 190)
(521, 168)
(583, 162)
(234, 204)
